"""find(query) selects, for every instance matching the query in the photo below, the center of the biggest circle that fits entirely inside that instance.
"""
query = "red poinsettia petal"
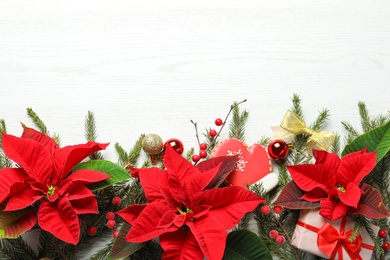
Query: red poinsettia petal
(131, 213)
(86, 205)
(23, 199)
(60, 219)
(87, 176)
(168, 198)
(314, 195)
(75, 191)
(333, 209)
(67, 157)
(198, 182)
(178, 166)
(39, 137)
(167, 219)
(355, 166)
(144, 228)
(229, 204)
(309, 176)
(180, 245)
(211, 236)
(330, 159)
(8, 177)
(30, 155)
(151, 180)
(351, 195)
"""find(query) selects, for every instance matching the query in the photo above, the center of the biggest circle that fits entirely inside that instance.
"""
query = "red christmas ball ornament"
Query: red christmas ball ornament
(110, 215)
(265, 209)
(111, 224)
(273, 233)
(203, 146)
(115, 233)
(386, 246)
(91, 231)
(218, 122)
(176, 144)
(382, 233)
(278, 149)
(212, 133)
(202, 154)
(116, 201)
(195, 158)
(277, 209)
(280, 240)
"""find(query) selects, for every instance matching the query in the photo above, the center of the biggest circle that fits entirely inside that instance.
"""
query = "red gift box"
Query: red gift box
(330, 239)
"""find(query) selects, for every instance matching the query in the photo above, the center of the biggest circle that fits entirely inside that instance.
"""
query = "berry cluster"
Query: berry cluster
(203, 146)
(110, 217)
(383, 235)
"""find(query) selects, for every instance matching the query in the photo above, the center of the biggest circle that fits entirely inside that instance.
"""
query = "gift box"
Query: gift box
(330, 239)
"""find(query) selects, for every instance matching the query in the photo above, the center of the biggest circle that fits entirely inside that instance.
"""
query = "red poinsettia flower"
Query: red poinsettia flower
(190, 218)
(333, 181)
(44, 174)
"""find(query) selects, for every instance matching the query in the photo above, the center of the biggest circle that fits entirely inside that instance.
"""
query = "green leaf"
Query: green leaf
(244, 244)
(121, 248)
(117, 173)
(290, 198)
(15, 223)
(377, 139)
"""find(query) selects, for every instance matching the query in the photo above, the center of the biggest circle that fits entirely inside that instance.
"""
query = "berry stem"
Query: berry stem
(287, 236)
(224, 122)
(196, 131)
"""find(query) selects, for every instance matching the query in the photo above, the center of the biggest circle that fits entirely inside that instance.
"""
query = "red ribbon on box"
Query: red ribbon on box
(331, 242)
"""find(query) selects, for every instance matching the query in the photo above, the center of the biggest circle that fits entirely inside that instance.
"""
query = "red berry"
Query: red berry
(110, 215)
(280, 240)
(202, 154)
(265, 209)
(203, 146)
(92, 231)
(278, 209)
(115, 233)
(111, 224)
(195, 158)
(212, 133)
(382, 233)
(218, 122)
(116, 201)
(386, 246)
(273, 233)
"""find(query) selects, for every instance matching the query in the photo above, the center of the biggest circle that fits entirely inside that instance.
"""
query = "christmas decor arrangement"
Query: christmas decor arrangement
(304, 193)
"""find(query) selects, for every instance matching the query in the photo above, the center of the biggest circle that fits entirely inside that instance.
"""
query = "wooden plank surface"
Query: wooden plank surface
(152, 66)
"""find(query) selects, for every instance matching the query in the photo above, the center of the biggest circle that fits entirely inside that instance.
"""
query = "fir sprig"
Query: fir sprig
(41, 125)
(91, 133)
(237, 124)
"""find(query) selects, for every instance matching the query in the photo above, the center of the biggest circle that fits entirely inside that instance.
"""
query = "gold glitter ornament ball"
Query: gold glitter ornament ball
(152, 144)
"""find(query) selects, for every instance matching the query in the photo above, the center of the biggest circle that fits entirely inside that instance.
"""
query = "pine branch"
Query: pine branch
(91, 133)
(237, 124)
(264, 140)
(296, 107)
(320, 120)
(336, 146)
(151, 250)
(37, 121)
(364, 118)
(353, 132)
(16, 249)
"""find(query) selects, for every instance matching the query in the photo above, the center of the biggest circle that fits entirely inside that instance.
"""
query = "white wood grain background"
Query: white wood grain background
(152, 66)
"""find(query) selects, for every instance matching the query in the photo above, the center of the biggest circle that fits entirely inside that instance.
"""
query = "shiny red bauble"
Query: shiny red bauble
(176, 144)
(278, 149)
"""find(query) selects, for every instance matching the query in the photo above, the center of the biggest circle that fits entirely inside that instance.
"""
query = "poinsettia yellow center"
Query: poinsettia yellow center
(185, 211)
(341, 188)
(50, 190)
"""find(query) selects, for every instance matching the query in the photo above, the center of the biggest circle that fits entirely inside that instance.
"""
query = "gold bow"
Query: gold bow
(317, 139)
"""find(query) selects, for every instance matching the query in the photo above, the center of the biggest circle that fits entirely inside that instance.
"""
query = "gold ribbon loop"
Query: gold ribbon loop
(294, 124)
